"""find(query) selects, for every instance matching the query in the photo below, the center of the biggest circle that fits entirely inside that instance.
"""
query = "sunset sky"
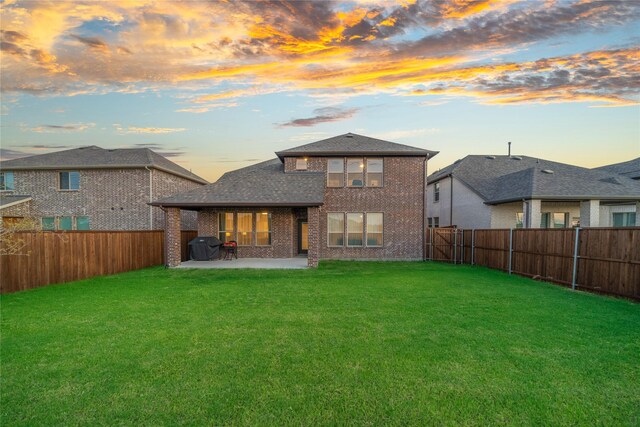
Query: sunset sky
(220, 85)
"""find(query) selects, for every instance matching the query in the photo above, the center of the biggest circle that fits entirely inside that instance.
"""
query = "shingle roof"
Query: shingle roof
(263, 184)
(11, 200)
(502, 179)
(93, 157)
(630, 169)
(354, 145)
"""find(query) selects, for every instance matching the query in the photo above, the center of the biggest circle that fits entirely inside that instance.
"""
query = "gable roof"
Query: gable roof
(94, 157)
(351, 144)
(502, 179)
(261, 185)
(12, 200)
(630, 169)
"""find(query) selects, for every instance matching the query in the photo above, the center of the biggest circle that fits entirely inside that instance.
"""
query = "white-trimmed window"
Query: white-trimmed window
(554, 220)
(430, 222)
(225, 226)
(375, 226)
(263, 229)
(6, 181)
(69, 181)
(436, 192)
(375, 172)
(335, 173)
(335, 229)
(301, 164)
(519, 220)
(66, 223)
(624, 219)
(355, 172)
(355, 229)
(245, 228)
(436, 221)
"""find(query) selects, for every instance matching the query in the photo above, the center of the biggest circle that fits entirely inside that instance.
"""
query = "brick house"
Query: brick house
(93, 188)
(346, 197)
(487, 191)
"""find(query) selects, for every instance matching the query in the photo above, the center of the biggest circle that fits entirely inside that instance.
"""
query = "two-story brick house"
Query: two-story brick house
(91, 188)
(346, 197)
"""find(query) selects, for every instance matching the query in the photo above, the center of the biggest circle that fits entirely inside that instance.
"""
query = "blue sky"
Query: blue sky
(220, 85)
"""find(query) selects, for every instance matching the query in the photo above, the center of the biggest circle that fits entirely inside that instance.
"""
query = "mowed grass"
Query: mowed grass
(356, 343)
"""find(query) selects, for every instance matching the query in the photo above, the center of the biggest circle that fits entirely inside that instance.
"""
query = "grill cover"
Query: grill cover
(204, 248)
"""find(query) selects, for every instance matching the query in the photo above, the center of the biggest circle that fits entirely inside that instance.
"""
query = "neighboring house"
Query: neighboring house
(630, 169)
(91, 188)
(519, 191)
(346, 197)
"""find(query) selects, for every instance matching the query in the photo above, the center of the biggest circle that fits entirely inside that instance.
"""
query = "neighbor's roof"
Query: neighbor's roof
(93, 157)
(502, 179)
(351, 144)
(8, 201)
(630, 169)
(261, 185)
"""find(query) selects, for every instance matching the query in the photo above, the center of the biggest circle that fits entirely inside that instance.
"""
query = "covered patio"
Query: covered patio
(240, 263)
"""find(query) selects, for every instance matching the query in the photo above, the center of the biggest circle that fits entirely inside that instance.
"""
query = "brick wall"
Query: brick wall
(165, 185)
(282, 226)
(21, 210)
(113, 199)
(401, 200)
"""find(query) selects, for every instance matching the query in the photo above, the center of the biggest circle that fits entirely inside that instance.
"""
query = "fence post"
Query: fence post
(473, 245)
(575, 259)
(455, 245)
(510, 248)
(462, 248)
(430, 244)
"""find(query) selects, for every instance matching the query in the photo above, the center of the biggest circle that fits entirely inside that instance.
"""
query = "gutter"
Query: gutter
(451, 201)
(150, 197)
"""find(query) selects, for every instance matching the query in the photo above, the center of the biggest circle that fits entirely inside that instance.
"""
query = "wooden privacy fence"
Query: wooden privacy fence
(605, 260)
(58, 257)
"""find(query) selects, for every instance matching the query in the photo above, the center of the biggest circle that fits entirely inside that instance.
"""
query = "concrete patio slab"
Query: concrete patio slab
(265, 263)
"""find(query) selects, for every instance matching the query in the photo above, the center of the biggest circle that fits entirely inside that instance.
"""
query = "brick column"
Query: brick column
(532, 213)
(590, 213)
(207, 223)
(172, 240)
(313, 220)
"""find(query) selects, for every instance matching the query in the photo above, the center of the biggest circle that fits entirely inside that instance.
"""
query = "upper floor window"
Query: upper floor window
(436, 192)
(6, 181)
(301, 164)
(355, 172)
(374, 172)
(335, 173)
(69, 181)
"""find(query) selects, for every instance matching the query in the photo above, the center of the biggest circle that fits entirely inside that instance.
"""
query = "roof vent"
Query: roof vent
(349, 135)
(549, 171)
(490, 157)
(516, 157)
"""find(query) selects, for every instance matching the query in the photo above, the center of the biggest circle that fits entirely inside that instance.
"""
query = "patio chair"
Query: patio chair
(231, 248)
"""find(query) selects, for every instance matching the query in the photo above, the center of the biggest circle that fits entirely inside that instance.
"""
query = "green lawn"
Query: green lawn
(348, 343)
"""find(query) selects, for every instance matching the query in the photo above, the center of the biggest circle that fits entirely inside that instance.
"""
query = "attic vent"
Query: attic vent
(516, 157)
(490, 157)
(549, 171)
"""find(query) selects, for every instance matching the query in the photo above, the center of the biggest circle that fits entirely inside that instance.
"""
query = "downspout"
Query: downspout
(150, 197)
(451, 201)
(424, 210)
